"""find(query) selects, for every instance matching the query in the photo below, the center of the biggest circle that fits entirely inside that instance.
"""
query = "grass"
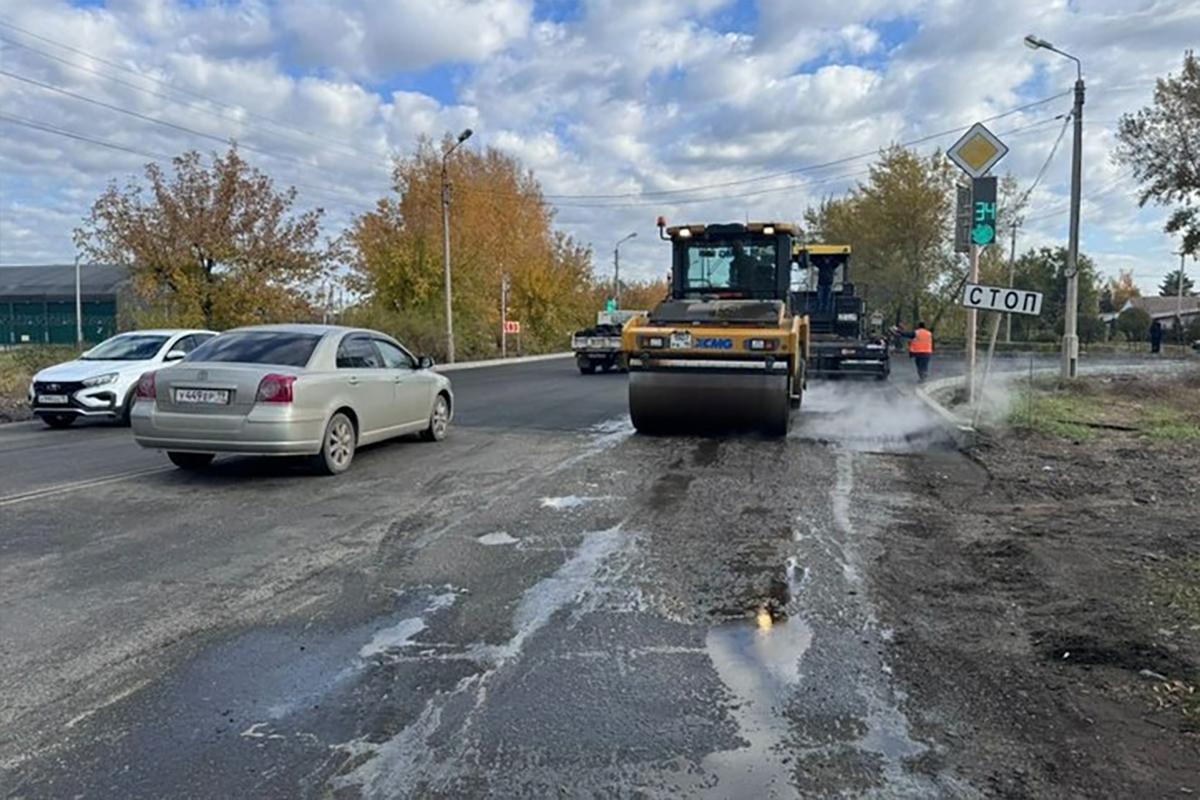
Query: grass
(18, 366)
(1157, 408)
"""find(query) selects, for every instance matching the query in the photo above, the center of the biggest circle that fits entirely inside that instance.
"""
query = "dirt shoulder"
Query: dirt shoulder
(1045, 593)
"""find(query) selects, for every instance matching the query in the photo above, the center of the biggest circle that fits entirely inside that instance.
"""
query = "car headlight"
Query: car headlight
(100, 380)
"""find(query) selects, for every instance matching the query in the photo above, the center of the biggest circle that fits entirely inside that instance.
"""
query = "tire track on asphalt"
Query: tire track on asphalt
(65, 488)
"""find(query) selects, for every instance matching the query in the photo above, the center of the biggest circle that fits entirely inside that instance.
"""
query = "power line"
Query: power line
(64, 132)
(186, 104)
(806, 168)
(160, 82)
(155, 120)
(757, 192)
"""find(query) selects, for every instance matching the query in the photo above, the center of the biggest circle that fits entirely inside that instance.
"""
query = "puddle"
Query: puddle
(760, 664)
(569, 502)
(498, 538)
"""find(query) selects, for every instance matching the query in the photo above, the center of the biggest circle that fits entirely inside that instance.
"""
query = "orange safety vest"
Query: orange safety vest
(922, 343)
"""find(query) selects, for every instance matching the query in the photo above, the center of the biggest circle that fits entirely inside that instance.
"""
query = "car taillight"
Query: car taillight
(146, 389)
(275, 389)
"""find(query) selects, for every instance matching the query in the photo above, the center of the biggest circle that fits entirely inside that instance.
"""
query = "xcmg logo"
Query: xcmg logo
(715, 344)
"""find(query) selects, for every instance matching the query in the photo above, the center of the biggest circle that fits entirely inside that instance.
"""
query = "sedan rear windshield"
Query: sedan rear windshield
(285, 349)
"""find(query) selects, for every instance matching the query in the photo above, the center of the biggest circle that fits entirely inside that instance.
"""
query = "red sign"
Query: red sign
(512, 326)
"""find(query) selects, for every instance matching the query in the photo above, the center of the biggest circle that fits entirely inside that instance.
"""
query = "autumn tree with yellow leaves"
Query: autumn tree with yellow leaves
(214, 246)
(500, 226)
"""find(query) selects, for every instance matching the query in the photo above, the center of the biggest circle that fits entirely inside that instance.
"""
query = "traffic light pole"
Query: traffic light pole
(972, 327)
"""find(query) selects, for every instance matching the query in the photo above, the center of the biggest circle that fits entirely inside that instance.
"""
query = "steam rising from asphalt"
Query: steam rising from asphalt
(867, 416)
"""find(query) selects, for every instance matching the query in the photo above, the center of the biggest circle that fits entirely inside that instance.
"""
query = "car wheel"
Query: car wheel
(587, 369)
(127, 409)
(338, 446)
(439, 420)
(190, 461)
(58, 421)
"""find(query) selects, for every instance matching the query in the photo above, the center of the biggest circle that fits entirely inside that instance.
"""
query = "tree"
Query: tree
(500, 226)
(1170, 285)
(899, 225)
(644, 296)
(1162, 144)
(1044, 270)
(1134, 323)
(1118, 291)
(214, 246)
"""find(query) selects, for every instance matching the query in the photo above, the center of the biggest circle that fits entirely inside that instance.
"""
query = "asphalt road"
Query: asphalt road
(543, 604)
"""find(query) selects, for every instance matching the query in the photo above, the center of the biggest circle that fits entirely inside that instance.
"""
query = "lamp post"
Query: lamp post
(617, 268)
(1070, 365)
(462, 137)
(79, 305)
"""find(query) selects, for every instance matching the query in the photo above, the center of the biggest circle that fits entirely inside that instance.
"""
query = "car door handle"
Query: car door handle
(353, 381)
(398, 379)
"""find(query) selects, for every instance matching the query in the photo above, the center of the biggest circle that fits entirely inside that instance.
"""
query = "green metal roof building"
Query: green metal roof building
(37, 303)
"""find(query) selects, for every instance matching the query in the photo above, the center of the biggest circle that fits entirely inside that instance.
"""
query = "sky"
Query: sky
(696, 110)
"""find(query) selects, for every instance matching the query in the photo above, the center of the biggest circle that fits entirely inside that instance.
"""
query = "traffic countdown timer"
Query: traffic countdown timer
(983, 221)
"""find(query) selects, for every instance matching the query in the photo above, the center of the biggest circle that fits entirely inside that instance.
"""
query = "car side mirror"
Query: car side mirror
(424, 362)
(174, 355)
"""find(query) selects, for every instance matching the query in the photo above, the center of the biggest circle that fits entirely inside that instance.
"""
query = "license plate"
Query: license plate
(202, 397)
(681, 341)
(52, 399)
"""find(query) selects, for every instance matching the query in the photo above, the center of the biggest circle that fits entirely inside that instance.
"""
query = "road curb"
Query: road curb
(958, 428)
(499, 362)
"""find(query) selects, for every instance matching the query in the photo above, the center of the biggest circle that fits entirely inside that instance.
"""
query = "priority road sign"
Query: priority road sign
(1001, 298)
(512, 326)
(977, 151)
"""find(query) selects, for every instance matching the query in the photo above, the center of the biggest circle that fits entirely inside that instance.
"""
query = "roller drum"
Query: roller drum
(662, 402)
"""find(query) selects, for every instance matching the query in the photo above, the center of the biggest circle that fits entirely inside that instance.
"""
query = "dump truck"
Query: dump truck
(724, 350)
(842, 341)
(599, 347)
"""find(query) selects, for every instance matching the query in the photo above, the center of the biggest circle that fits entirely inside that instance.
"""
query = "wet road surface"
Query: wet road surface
(544, 604)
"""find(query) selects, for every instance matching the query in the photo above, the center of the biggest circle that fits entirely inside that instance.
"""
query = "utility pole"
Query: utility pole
(1012, 266)
(79, 305)
(617, 268)
(504, 316)
(462, 137)
(1070, 357)
(1179, 300)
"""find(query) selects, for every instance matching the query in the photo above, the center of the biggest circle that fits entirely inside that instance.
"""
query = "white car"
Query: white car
(101, 382)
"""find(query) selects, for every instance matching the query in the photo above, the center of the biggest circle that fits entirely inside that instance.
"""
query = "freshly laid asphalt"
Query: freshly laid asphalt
(544, 604)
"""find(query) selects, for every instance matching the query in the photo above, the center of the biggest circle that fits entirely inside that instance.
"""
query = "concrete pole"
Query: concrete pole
(972, 327)
(446, 262)
(504, 316)
(1012, 266)
(79, 305)
(1179, 301)
(1070, 363)
(617, 275)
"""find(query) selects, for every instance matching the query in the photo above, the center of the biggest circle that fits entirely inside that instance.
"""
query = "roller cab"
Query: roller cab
(723, 352)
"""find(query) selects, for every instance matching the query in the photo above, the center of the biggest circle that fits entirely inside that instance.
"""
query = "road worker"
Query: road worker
(920, 349)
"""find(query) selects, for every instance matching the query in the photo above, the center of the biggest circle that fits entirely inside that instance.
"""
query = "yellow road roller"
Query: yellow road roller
(723, 352)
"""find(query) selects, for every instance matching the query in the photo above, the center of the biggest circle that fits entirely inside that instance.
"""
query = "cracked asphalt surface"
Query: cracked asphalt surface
(545, 604)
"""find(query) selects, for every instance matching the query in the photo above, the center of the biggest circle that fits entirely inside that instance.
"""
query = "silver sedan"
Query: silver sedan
(290, 390)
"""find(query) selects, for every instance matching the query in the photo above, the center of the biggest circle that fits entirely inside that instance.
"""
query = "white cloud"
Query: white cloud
(613, 97)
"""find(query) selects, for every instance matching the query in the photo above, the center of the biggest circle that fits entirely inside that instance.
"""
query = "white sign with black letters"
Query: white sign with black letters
(1001, 298)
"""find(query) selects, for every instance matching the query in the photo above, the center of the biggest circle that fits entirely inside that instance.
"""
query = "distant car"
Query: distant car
(290, 390)
(101, 382)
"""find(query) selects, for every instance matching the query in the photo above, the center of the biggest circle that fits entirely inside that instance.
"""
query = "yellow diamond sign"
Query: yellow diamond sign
(977, 151)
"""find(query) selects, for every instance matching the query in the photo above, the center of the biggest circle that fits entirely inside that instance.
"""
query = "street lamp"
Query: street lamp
(617, 268)
(462, 137)
(1070, 365)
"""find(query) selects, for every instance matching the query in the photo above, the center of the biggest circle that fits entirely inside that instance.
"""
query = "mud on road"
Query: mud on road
(1045, 594)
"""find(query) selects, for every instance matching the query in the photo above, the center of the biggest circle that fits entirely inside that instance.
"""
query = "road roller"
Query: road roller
(723, 352)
